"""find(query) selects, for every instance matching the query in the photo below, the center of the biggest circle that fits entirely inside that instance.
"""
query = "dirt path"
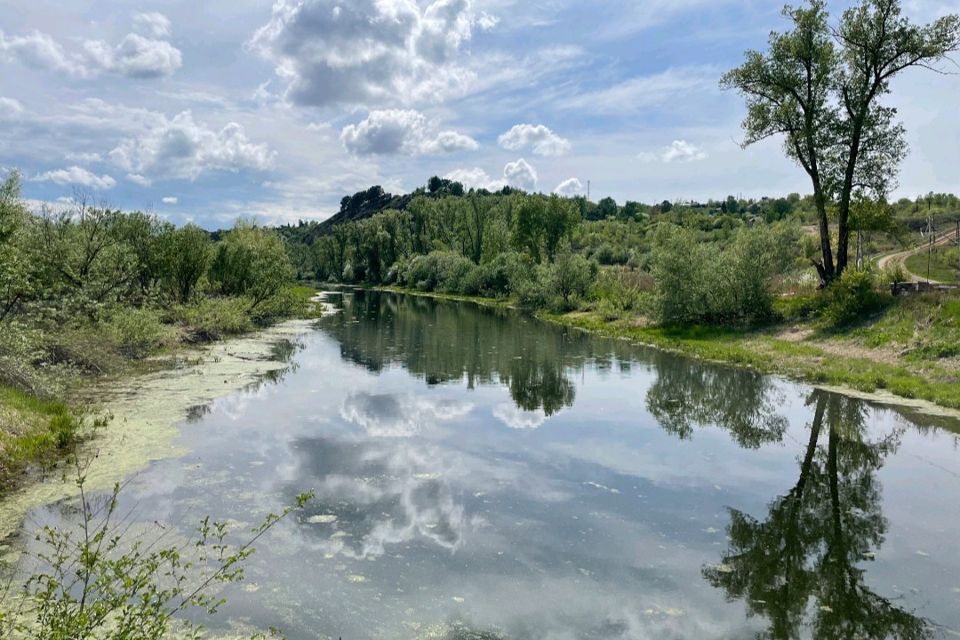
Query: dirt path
(900, 257)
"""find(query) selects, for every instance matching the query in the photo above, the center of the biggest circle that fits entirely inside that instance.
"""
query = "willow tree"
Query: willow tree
(822, 87)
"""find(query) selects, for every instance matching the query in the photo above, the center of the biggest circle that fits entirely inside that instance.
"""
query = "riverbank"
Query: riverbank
(145, 410)
(909, 352)
(55, 409)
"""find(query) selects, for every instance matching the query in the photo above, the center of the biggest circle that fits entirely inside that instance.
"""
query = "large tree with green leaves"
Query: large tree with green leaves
(822, 88)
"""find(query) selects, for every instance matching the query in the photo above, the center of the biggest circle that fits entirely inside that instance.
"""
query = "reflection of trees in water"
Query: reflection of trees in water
(443, 342)
(801, 566)
(688, 393)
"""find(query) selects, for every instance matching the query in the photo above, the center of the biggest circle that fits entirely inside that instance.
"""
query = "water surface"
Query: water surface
(480, 474)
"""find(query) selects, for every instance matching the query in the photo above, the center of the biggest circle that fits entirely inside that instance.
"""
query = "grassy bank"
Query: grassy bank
(909, 349)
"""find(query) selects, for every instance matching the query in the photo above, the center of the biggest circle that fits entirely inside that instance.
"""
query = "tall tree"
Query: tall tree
(820, 87)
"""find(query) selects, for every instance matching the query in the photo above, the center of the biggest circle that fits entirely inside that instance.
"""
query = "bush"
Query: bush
(569, 279)
(251, 261)
(500, 277)
(618, 292)
(696, 283)
(214, 318)
(437, 271)
(851, 296)
(137, 332)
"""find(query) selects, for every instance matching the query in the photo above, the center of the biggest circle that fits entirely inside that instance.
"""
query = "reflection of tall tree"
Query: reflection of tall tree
(801, 566)
(443, 342)
(689, 393)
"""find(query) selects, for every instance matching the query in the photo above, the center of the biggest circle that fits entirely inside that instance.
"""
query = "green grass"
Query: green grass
(918, 375)
(32, 430)
(944, 264)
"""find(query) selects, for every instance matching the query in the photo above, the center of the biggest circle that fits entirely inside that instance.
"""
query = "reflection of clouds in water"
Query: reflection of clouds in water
(392, 416)
(515, 418)
(407, 496)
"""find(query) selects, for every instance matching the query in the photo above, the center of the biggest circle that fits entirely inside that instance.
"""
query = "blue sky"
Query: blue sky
(210, 110)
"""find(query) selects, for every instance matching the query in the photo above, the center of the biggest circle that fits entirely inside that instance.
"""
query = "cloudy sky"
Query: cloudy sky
(207, 110)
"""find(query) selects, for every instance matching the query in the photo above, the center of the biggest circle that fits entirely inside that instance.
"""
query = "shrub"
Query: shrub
(499, 277)
(137, 332)
(214, 318)
(252, 262)
(569, 279)
(437, 271)
(618, 292)
(851, 296)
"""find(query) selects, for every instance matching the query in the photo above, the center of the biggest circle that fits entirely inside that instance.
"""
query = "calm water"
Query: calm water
(492, 476)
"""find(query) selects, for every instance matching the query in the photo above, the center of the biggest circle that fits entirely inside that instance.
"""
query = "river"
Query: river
(480, 474)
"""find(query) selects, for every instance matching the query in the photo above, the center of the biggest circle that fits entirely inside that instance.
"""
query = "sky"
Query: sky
(208, 110)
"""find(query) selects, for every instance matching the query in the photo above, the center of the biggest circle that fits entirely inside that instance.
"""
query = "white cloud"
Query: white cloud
(569, 187)
(521, 175)
(183, 148)
(39, 51)
(677, 151)
(367, 51)
(153, 24)
(169, 200)
(401, 131)
(543, 141)
(136, 178)
(78, 176)
(10, 108)
(487, 21)
(475, 178)
(136, 56)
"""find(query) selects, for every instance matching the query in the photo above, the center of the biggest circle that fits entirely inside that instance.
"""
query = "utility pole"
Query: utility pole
(929, 241)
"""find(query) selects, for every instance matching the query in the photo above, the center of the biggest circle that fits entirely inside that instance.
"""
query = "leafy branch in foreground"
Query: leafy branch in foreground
(101, 579)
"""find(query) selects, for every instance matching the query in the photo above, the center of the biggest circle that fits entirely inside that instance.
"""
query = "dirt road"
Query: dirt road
(900, 258)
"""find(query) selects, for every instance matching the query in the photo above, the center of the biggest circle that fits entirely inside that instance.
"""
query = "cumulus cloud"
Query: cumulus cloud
(487, 21)
(569, 187)
(677, 151)
(135, 56)
(521, 175)
(367, 51)
(40, 51)
(169, 200)
(392, 416)
(183, 148)
(541, 139)
(78, 176)
(399, 131)
(153, 24)
(475, 178)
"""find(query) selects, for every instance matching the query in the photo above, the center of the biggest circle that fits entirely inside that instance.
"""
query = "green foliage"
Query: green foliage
(251, 261)
(499, 277)
(620, 292)
(96, 579)
(851, 296)
(569, 279)
(186, 254)
(137, 332)
(217, 318)
(701, 283)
